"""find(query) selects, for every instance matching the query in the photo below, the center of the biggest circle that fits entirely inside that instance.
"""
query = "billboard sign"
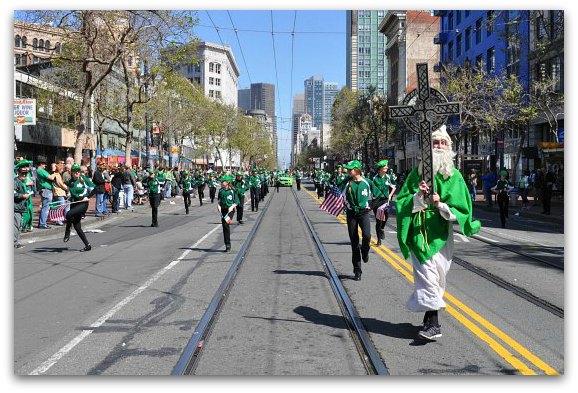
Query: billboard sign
(25, 111)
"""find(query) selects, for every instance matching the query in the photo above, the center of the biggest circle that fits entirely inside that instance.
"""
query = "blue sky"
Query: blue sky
(313, 53)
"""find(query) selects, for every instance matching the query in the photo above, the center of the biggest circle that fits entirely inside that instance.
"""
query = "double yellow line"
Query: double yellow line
(406, 270)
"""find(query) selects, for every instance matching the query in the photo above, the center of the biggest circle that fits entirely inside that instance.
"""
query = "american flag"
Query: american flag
(333, 203)
(380, 213)
(56, 214)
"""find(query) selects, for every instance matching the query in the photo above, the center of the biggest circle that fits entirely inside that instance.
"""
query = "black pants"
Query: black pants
(255, 199)
(298, 184)
(546, 198)
(380, 225)
(277, 184)
(201, 190)
(361, 220)
(240, 207)
(319, 190)
(74, 218)
(212, 191)
(155, 201)
(262, 193)
(503, 204)
(187, 199)
(227, 228)
(266, 187)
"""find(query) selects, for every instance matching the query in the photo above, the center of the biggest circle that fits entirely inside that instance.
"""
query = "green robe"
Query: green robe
(28, 215)
(426, 232)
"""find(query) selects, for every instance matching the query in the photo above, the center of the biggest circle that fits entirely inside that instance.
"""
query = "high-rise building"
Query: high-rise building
(319, 98)
(299, 103)
(244, 99)
(365, 50)
(329, 94)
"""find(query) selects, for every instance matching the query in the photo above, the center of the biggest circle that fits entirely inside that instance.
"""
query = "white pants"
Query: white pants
(429, 283)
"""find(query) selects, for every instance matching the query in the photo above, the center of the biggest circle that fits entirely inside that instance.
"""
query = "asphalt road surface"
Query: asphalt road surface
(130, 305)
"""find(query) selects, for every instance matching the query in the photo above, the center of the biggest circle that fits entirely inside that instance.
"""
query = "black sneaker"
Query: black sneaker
(357, 276)
(87, 248)
(18, 246)
(430, 332)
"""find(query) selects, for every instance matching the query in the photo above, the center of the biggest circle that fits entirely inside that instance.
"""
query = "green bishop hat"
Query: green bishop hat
(353, 164)
(504, 173)
(382, 163)
(22, 163)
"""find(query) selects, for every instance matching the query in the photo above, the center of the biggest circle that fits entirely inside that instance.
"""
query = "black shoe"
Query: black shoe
(357, 276)
(378, 242)
(365, 257)
(228, 249)
(430, 332)
(382, 235)
(87, 248)
(241, 222)
(66, 237)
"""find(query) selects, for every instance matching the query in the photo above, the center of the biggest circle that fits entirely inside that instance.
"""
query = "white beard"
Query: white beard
(443, 162)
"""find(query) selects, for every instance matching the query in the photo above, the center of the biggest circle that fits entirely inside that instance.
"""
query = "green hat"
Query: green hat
(22, 163)
(382, 163)
(228, 178)
(239, 173)
(151, 171)
(353, 164)
(185, 172)
(75, 168)
(339, 166)
(504, 173)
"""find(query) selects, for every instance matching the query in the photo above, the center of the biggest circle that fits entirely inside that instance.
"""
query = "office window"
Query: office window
(458, 17)
(197, 68)
(211, 67)
(211, 93)
(451, 51)
(218, 81)
(24, 41)
(479, 31)
(198, 79)
(217, 68)
(540, 28)
(24, 60)
(490, 22)
(458, 44)
(35, 44)
(217, 94)
(211, 80)
(17, 41)
(479, 62)
(47, 46)
(189, 69)
(380, 14)
(41, 45)
(35, 60)
(468, 38)
(491, 60)
(450, 20)
(17, 59)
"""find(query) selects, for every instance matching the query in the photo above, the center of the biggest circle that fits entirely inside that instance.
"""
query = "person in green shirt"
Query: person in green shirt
(298, 179)
(81, 189)
(28, 214)
(255, 190)
(341, 178)
(228, 200)
(503, 188)
(240, 187)
(201, 181)
(155, 194)
(383, 188)
(187, 183)
(357, 195)
(162, 180)
(213, 183)
(44, 180)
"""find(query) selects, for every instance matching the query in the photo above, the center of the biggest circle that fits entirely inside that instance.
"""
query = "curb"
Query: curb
(536, 216)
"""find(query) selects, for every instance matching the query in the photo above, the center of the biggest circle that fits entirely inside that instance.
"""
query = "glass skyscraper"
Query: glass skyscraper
(366, 59)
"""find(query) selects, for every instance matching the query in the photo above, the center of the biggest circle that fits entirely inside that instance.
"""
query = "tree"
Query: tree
(346, 137)
(549, 102)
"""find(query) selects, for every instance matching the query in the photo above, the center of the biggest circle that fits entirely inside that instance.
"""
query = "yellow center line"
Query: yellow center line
(397, 262)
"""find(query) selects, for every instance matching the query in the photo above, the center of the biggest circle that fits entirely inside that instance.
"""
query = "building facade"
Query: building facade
(244, 99)
(319, 98)
(365, 51)
(217, 72)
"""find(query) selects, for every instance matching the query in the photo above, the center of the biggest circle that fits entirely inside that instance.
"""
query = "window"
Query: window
(197, 68)
(380, 14)
(47, 46)
(458, 17)
(24, 59)
(17, 59)
(35, 60)
(557, 23)
(198, 79)
(450, 20)
(24, 41)
(540, 28)
(35, 44)
(217, 68)
(479, 31)
(57, 48)
(458, 44)
(468, 12)
(468, 38)
(556, 74)
(451, 51)
(217, 94)
(41, 45)
(479, 62)
(211, 67)
(490, 23)
(211, 80)
(218, 81)
(17, 41)
(211, 93)
(189, 69)
(491, 60)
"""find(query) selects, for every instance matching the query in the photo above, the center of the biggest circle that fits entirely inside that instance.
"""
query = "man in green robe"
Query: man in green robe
(425, 229)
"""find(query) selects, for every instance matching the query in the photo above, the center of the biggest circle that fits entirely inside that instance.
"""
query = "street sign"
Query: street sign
(25, 111)
(424, 110)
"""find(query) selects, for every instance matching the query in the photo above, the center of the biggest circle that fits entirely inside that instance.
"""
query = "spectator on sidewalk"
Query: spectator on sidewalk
(473, 183)
(44, 182)
(98, 178)
(117, 184)
(488, 181)
(524, 188)
(128, 185)
(59, 188)
(21, 196)
(549, 181)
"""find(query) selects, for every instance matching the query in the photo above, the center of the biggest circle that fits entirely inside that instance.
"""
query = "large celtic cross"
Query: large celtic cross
(424, 110)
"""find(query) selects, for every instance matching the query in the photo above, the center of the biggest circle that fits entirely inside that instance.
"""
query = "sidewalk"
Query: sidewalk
(533, 211)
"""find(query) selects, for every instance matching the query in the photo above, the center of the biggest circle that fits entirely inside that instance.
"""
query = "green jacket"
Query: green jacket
(187, 183)
(80, 189)
(357, 195)
(254, 182)
(19, 190)
(153, 184)
(382, 186)
(240, 187)
(227, 198)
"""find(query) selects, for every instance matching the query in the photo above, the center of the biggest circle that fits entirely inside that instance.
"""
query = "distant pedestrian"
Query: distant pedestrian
(98, 178)
(488, 181)
(502, 189)
(59, 188)
(473, 184)
(128, 184)
(549, 181)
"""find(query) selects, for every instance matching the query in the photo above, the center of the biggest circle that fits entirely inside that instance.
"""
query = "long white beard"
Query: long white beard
(443, 162)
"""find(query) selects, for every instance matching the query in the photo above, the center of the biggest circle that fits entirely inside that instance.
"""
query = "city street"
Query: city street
(131, 305)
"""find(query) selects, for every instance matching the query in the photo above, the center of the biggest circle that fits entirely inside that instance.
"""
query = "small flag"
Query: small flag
(57, 214)
(333, 203)
(227, 219)
(380, 214)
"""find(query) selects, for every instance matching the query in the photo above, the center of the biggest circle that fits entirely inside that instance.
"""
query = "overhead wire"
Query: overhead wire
(240, 47)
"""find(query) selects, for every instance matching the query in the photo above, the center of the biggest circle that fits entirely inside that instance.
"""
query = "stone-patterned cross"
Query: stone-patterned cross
(424, 110)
